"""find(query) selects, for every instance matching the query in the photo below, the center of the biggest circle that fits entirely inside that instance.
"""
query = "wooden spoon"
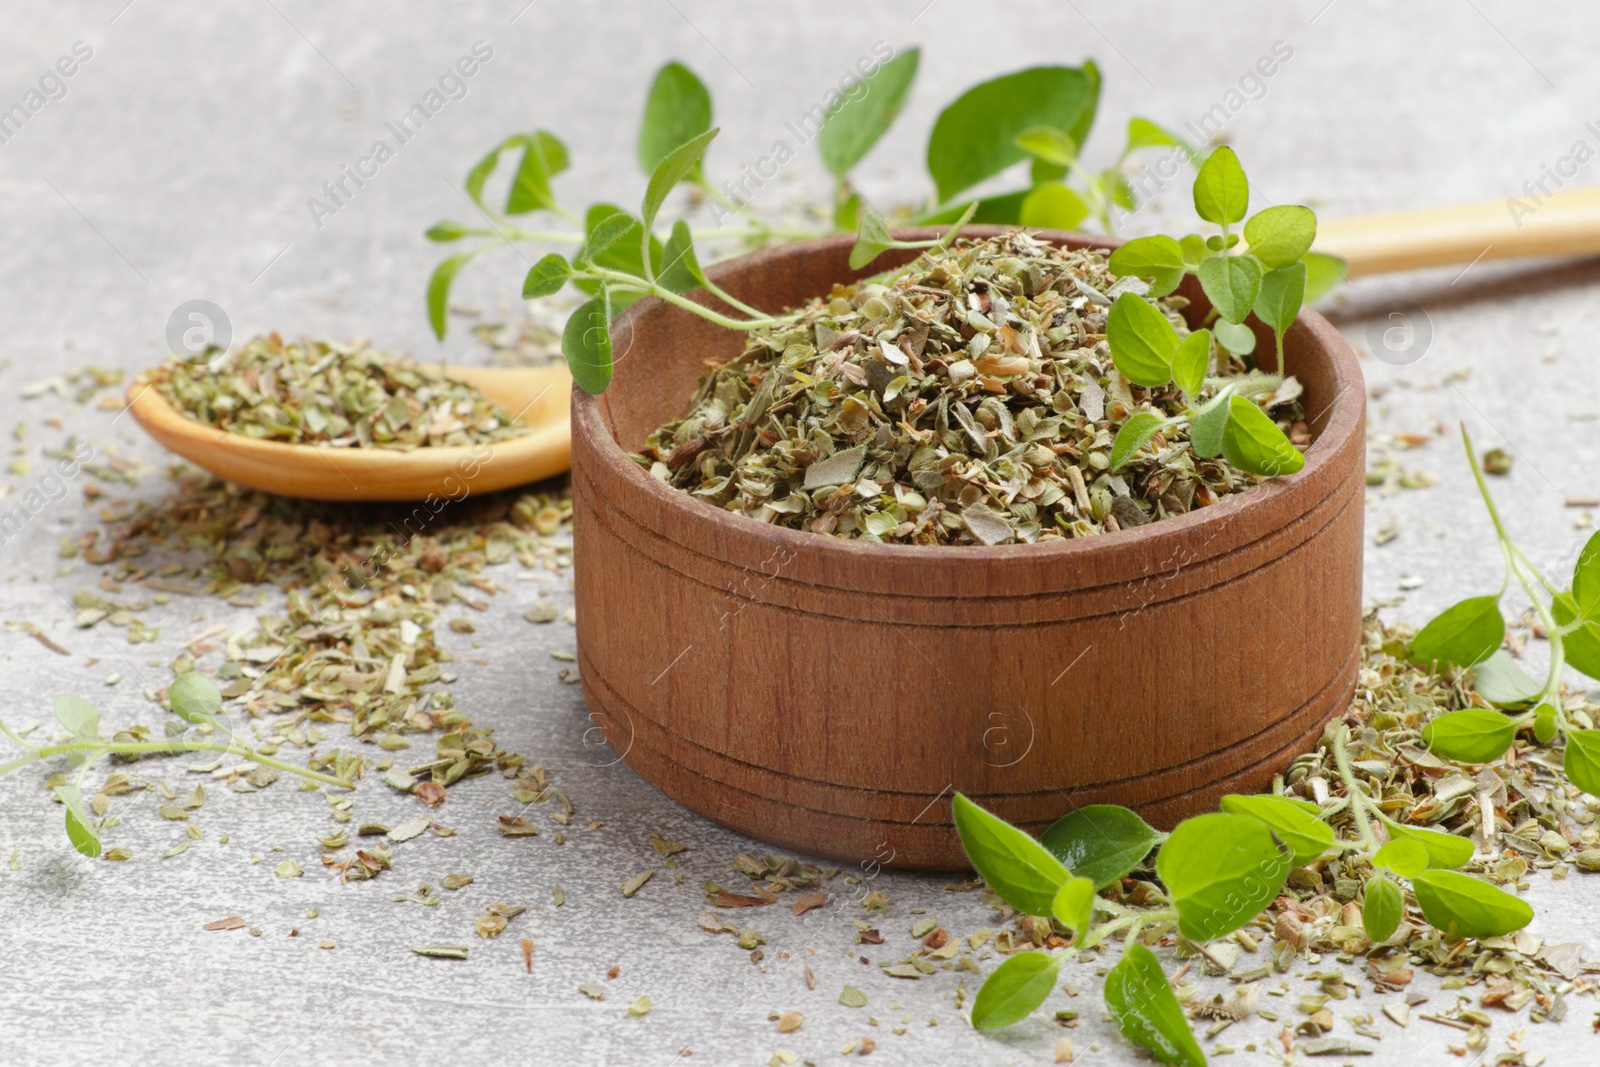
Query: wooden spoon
(539, 397)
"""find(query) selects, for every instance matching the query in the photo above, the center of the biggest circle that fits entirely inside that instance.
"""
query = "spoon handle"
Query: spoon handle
(1564, 224)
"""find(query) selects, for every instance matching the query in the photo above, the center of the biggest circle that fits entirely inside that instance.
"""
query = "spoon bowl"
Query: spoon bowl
(539, 397)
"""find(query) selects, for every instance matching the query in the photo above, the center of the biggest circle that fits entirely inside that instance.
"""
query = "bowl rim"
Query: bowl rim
(594, 435)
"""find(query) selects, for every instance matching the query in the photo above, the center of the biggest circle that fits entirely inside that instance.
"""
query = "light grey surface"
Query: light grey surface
(178, 165)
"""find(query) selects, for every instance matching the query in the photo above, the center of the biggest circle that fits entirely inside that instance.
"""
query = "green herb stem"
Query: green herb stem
(632, 283)
(1360, 803)
(162, 748)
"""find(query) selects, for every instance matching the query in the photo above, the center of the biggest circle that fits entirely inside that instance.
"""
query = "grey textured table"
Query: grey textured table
(178, 165)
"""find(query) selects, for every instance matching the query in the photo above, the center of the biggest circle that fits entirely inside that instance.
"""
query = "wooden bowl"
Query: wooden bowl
(831, 695)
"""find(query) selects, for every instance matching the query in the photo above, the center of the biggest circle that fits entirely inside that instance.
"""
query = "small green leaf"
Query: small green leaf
(1147, 1013)
(1282, 292)
(1382, 908)
(80, 828)
(1444, 850)
(444, 275)
(872, 239)
(1142, 341)
(1544, 724)
(1074, 905)
(1236, 337)
(1194, 250)
(194, 698)
(586, 342)
(677, 109)
(1324, 272)
(680, 268)
(1582, 761)
(543, 157)
(975, 137)
(1142, 133)
(445, 231)
(1139, 428)
(546, 277)
(1279, 236)
(1020, 870)
(1191, 361)
(1405, 856)
(1583, 644)
(674, 167)
(1252, 442)
(1463, 634)
(1220, 870)
(1049, 144)
(1502, 683)
(79, 716)
(1231, 283)
(1014, 990)
(1208, 425)
(1460, 906)
(1586, 579)
(1221, 191)
(1473, 735)
(1100, 842)
(1053, 206)
(1306, 835)
(607, 231)
(1159, 260)
(856, 124)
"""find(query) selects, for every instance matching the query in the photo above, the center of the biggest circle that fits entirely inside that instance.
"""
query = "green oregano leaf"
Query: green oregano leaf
(1444, 850)
(1074, 905)
(607, 231)
(1190, 362)
(1207, 425)
(1159, 260)
(1236, 337)
(1463, 634)
(680, 267)
(1142, 341)
(80, 717)
(975, 137)
(1586, 579)
(586, 342)
(1324, 272)
(856, 124)
(1473, 735)
(445, 230)
(1279, 236)
(443, 277)
(1231, 283)
(80, 827)
(1282, 292)
(1306, 835)
(1100, 842)
(1049, 144)
(1405, 856)
(194, 698)
(1544, 724)
(1382, 908)
(677, 108)
(1147, 1013)
(543, 157)
(546, 277)
(674, 167)
(1459, 905)
(1252, 442)
(1220, 870)
(1014, 990)
(1221, 191)
(1582, 760)
(1140, 427)
(1502, 683)
(1020, 870)
(1053, 206)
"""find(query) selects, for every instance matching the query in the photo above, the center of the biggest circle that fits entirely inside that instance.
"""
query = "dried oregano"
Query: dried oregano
(327, 393)
(969, 398)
